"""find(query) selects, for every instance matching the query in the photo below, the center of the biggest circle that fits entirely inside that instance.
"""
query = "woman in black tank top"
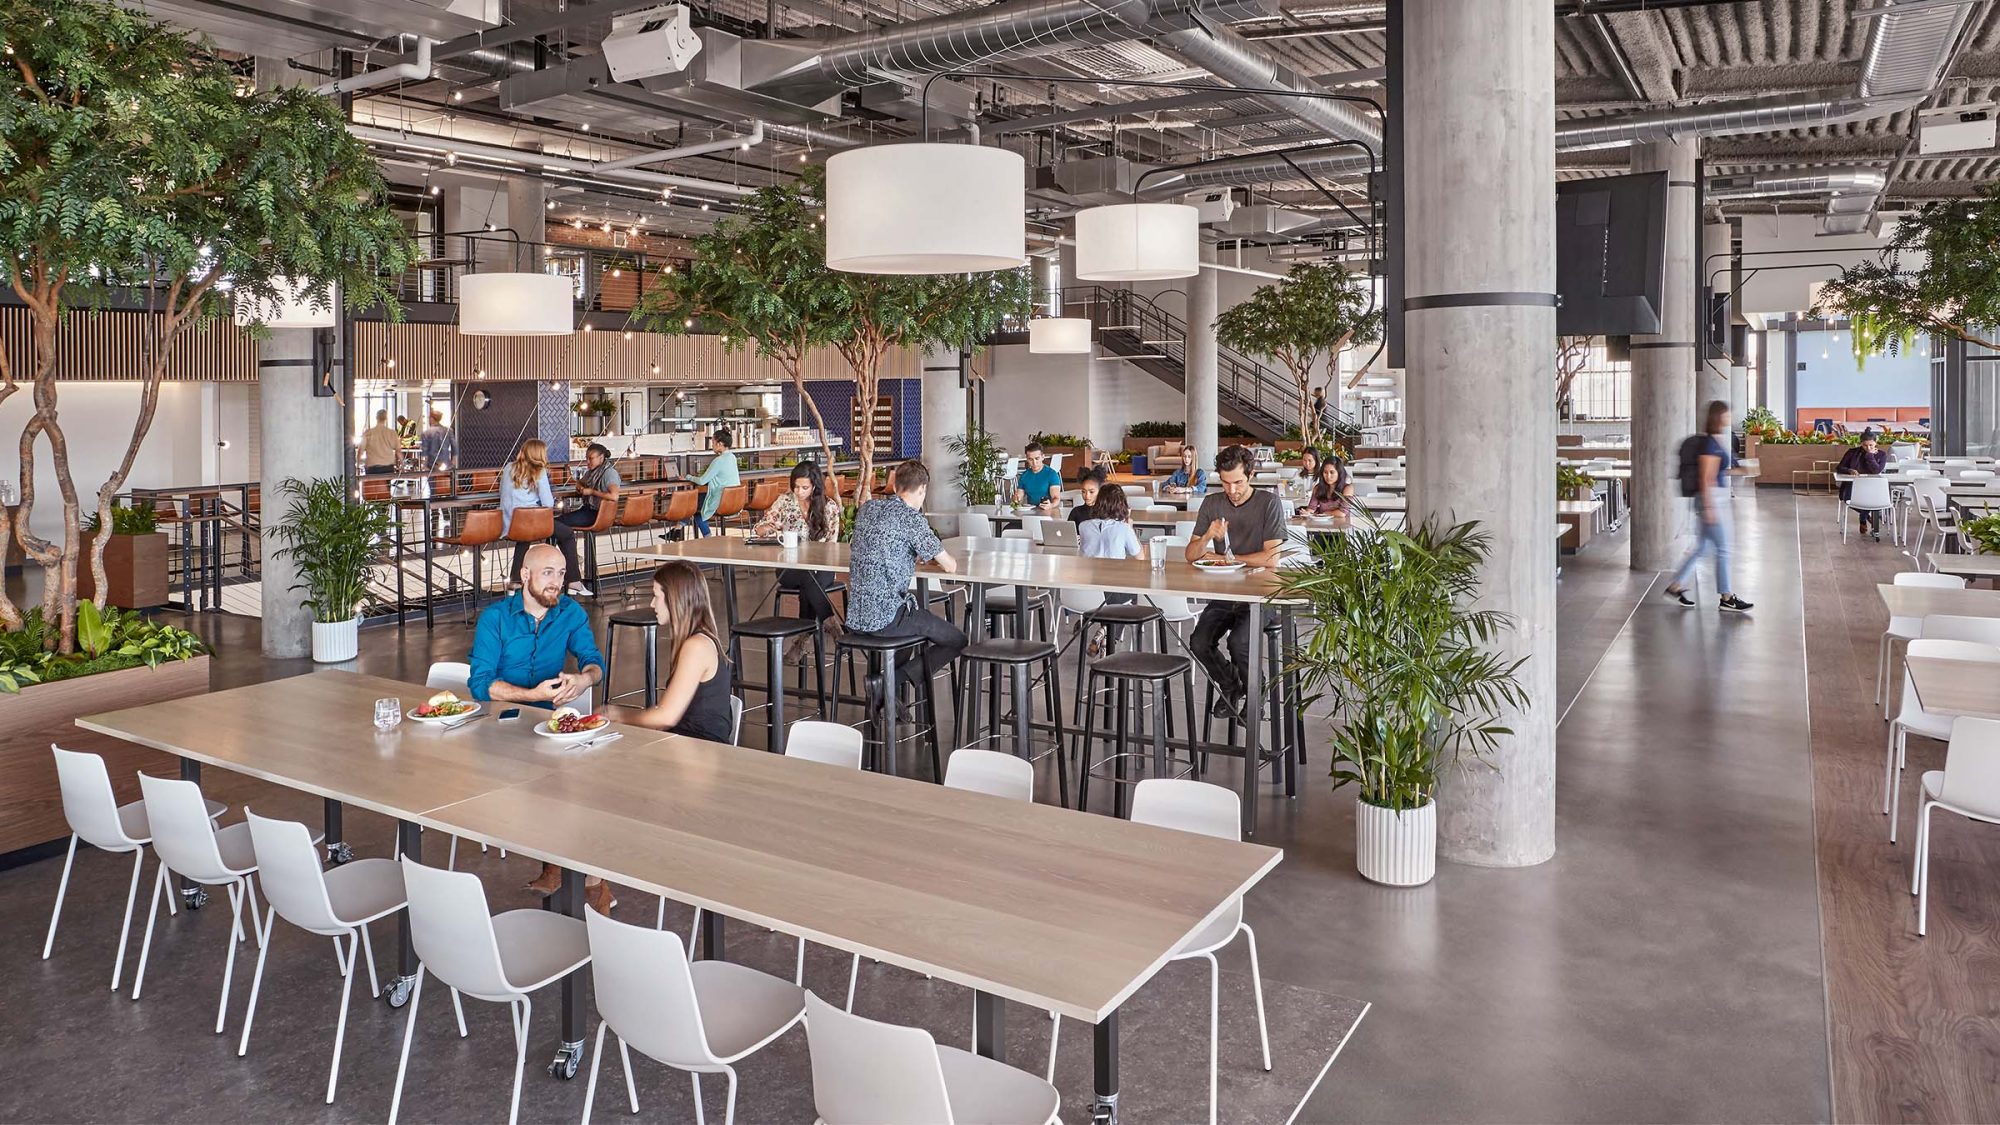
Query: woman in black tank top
(696, 700)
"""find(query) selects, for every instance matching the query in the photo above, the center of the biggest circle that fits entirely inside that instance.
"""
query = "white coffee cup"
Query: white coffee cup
(789, 540)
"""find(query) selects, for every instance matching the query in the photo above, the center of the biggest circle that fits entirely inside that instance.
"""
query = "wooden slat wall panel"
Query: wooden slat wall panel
(107, 346)
(440, 351)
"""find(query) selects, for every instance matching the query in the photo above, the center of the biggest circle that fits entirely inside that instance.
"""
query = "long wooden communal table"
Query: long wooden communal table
(1956, 687)
(1069, 913)
(980, 568)
(1923, 601)
(1970, 567)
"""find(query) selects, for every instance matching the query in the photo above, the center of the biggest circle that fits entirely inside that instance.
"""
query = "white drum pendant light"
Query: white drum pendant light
(294, 307)
(926, 208)
(1138, 242)
(515, 304)
(1059, 335)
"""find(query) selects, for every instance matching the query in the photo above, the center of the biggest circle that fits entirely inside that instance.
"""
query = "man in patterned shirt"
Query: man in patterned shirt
(890, 539)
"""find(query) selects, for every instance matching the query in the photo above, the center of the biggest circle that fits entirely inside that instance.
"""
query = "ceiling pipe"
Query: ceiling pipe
(754, 137)
(418, 70)
(1721, 119)
(1797, 181)
(1226, 55)
(431, 142)
(1908, 54)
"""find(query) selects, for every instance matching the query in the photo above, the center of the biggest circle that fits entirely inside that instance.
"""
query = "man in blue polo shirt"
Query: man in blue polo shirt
(1038, 484)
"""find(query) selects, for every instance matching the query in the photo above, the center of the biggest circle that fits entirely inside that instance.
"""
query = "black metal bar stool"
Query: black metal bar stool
(1019, 659)
(1001, 607)
(1128, 676)
(883, 656)
(774, 631)
(1282, 702)
(1116, 617)
(649, 633)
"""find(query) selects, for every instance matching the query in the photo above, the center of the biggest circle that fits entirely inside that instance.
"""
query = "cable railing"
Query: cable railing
(602, 279)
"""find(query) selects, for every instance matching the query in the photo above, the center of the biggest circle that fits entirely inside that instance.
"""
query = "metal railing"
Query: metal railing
(602, 280)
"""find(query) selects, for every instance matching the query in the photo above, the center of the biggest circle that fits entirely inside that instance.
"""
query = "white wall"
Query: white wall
(97, 420)
(1830, 377)
(1027, 393)
(1121, 394)
(236, 404)
(1799, 242)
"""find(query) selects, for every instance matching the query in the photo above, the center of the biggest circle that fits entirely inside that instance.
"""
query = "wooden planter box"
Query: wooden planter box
(1075, 464)
(135, 571)
(30, 799)
(1751, 444)
(1142, 444)
(1775, 463)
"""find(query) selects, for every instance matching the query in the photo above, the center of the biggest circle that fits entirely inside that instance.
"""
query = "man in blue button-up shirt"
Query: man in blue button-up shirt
(524, 641)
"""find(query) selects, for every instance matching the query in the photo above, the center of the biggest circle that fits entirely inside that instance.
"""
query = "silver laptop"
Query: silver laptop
(1058, 533)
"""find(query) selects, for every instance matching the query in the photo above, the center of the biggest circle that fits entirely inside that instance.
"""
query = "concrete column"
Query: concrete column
(1480, 324)
(527, 215)
(1712, 378)
(1663, 380)
(944, 417)
(1200, 380)
(300, 437)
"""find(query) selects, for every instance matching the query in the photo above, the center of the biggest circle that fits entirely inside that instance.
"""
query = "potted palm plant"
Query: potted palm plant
(980, 462)
(334, 537)
(1408, 657)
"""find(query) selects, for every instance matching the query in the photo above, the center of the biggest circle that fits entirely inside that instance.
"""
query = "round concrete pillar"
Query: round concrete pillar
(1663, 381)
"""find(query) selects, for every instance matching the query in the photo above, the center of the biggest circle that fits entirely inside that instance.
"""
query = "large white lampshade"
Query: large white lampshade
(515, 304)
(1059, 335)
(293, 307)
(926, 208)
(1138, 242)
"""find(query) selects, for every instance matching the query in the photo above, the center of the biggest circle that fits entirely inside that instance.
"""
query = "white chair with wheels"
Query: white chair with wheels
(454, 676)
(502, 958)
(1969, 785)
(191, 846)
(337, 903)
(701, 1016)
(1197, 806)
(1905, 629)
(96, 818)
(871, 1073)
(1940, 637)
(1866, 494)
(977, 525)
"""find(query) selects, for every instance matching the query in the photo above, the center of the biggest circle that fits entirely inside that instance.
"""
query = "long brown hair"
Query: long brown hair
(819, 523)
(530, 463)
(689, 612)
(1111, 504)
(1324, 492)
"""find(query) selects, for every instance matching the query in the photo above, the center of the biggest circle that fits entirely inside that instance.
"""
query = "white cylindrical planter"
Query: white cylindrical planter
(337, 641)
(1398, 849)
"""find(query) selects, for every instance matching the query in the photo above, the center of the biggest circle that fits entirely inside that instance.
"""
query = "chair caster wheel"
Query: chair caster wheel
(194, 898)
(569, 1057)
(400, 990)
(337, 854)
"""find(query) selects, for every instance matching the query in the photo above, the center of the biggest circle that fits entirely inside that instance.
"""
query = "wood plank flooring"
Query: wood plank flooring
(1914, 1022)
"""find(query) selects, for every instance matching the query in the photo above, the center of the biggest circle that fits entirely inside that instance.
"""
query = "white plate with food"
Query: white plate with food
(569, 723)
(444, 707)
(1218, 566)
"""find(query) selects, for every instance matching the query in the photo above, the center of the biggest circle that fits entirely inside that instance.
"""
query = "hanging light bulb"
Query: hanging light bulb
(451, 157)
(606, 228)
(656, 369)
(587, 327)
(628, 333)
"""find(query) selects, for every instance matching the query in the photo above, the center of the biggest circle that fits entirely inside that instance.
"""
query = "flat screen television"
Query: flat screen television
(1611, 254)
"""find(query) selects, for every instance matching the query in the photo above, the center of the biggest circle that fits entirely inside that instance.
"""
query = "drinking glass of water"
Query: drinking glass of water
(388, 712)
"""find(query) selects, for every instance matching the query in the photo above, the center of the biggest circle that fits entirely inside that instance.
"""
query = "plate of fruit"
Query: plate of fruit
(571, 723)
(444, 707)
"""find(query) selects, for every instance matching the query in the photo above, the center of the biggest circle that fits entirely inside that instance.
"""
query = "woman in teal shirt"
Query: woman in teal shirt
(720, 474)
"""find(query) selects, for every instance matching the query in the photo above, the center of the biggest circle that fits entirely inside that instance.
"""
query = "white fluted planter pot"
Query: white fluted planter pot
(340, 640)
(1397, 849)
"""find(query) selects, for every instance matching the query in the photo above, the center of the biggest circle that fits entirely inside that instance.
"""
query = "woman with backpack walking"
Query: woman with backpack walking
(1705, 462)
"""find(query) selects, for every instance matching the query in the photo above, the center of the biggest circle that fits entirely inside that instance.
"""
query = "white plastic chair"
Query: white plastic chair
(1033, 526)
(871, 1073)
(1904, 451)
(1865, 494)
(1976, 474)
(1934, 512)
(980, 526)
(96, 818)
(454, 676)
(191, 846)
(834, 744)
(1905, 629)
(1942, 638)
(1969, 785)
(1184, 530)
(501, 958)
(1197, 806)
(702, 1016)
(333, 903)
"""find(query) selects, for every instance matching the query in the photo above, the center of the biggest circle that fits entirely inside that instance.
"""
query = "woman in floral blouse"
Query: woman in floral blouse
(808, 510)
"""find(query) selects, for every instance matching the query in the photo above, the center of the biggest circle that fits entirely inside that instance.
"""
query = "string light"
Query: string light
(451, 157)
(458, 95)
(587, 327)
(628, 333)
(606, 228)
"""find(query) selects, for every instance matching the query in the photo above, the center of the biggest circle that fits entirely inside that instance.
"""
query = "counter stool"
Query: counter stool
(530, 526)
(1117, 617)
(780, 593)
(607, 519)
(1280, 703)
(882, 655)
(774, 631)
(1019, 659)
(649, 635)
(1127, 675)
(1000, 606)
(678, 507)
(481, 527)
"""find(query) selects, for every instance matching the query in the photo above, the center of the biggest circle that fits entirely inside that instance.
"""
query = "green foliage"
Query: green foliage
(1570, 478)
(1952, 290)
(334, 538)
(1761, 421)
(1399, 646)
(847, 514)
(140, 519)
(1232, 430)
(112, 639)
(603, 407)
(979, 464)
(1060, 440)
(93, 632)
(1156, 429)
(1984, 532)
(1302, 322)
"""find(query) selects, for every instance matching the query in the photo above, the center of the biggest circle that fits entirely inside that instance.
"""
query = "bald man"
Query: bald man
(519, 652)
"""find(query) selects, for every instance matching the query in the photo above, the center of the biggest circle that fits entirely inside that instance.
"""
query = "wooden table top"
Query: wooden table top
(1956, 687)
(989, 568)
(1923, 601)
(317, 733)
(1966, 566)
(1577, 507)
(1063, 910)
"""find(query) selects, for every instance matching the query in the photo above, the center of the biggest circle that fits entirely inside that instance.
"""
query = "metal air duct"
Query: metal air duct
(1226, 55)
(1721, 119)
(1798, 181)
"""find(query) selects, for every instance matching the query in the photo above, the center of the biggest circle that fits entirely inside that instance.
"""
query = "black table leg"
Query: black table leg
(410, 841)
(192, 894)
(402, 598)
(569, 900)
(337, 850)
(1253, 706)
(774, 681)
(989, 1025)
(430, 577)
(1104, 1051)
(711, 935)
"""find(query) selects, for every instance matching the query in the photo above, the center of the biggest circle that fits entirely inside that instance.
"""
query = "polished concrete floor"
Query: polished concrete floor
(1666, 965)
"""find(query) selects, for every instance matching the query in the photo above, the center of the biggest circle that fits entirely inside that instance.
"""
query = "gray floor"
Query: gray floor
(1664, 966)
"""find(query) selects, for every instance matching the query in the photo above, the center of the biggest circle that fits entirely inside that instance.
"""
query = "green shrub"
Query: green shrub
(1156, 429)
(140, 519)
(108, 640)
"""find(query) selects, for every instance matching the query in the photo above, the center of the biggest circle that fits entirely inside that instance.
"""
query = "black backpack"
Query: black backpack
(1692, 450)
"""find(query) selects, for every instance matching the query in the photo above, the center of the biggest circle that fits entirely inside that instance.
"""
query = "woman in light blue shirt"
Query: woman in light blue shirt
(525, 484)
(1108, 533)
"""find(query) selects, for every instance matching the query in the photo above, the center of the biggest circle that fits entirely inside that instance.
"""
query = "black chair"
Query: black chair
(1128, 676)
(882, 657)
(1022, 661)
(774, 632)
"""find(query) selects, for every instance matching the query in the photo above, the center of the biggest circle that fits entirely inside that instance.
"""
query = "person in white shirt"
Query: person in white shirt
(1107, 534)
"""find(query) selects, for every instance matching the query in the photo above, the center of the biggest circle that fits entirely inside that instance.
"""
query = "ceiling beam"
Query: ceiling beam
(1641, 39)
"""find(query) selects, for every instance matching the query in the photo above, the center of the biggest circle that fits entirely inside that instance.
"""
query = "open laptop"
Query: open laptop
(1058, 533)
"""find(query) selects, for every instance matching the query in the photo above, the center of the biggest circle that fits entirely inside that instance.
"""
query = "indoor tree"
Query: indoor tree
(1302, 322)
(1951, 286)
(138, 171)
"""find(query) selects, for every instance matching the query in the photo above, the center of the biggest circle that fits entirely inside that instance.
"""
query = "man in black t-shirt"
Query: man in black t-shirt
(1250, 524)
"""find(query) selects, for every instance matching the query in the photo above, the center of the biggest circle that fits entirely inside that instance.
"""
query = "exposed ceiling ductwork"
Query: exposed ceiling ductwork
(1229, 57)
(1908, 53)
(1797, 181)
(1719, 119)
